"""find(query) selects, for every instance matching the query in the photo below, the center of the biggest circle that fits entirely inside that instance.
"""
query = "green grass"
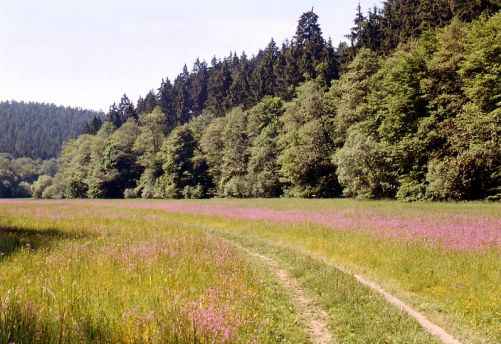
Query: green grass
(116, 278)
(356, 314)
(459, 290)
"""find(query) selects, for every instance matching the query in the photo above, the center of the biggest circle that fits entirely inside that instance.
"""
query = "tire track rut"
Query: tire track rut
(313, 316)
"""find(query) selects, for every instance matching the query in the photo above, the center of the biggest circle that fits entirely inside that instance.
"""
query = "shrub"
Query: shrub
(130, 193)
(40, 185)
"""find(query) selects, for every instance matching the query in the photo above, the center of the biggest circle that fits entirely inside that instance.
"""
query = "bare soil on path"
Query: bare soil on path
(429, 326)
(313, 316)
(316, 318)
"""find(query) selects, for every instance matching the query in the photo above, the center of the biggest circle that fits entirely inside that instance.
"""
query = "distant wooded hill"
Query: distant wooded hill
(38, 130)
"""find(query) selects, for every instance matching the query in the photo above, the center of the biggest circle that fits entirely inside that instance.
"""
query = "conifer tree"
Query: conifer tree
(357, 35)
(219, 84)
(126, 109)
(150, 102)
(309, 43)
(166, 103)
(114, 116)
(182, 97)
(140, 106)
(93, 126)
(199, 85)
(264, 77)
(240, 92)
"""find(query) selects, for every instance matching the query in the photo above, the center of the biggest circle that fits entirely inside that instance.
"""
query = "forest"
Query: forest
(409, 109)
(38, 131)
(31, 140)
(18, 175)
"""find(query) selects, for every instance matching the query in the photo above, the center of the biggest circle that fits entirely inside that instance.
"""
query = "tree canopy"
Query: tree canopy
(409, 109)
(38, 131)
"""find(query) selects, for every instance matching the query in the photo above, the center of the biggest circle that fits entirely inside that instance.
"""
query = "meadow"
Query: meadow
(244, 271)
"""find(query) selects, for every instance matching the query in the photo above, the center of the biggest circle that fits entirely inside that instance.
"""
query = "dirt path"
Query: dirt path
(316, 319)
(425, 323)
(430, 327)
(313, 316)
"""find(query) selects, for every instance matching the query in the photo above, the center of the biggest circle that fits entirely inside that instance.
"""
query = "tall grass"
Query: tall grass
(77, 274)
(457, 287)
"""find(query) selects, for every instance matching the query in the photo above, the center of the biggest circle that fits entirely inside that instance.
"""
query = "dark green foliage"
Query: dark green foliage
(166, 103)
(126, 109)
(183, 101)
(310, 44)
(235, 81)
(119, 168)
(199, 86)
(399, 20)
(421, 121)
(212, 145)
(429, 125)
(38, 130)
(184, 176)
(240, 89)
(93, 126)
(307, 144)
(149, 103)
(264, 79)
(235, 155)
(17, 175)
(263, 130)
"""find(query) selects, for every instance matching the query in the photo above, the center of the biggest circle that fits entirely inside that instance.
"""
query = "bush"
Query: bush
(130, 193)
(24, 189)
(364, 167)
(470, 176)
(193, 192)
(411, 190)
(236, 187)
(40, 185)
(54, 191)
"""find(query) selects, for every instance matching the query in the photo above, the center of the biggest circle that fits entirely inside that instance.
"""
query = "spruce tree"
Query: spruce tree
(264, 77)
(310, 44)
(240, 91)
(150, 102)
(182, 97)
(166, 103)
(114, 116)
(126, 109)
(199, 85)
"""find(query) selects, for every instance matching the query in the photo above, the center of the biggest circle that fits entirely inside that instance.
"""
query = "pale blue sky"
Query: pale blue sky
(88, 53)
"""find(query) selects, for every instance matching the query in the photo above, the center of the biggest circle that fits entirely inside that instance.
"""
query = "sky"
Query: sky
(89, 53)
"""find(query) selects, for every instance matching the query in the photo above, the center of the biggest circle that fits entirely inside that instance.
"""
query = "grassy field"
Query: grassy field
(181, 272)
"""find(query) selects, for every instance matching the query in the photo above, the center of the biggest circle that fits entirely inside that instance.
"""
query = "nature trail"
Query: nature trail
(425, 323)
(429, 326)
(314, 317)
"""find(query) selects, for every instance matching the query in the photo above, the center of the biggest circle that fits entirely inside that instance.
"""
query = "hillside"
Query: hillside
(38, 130)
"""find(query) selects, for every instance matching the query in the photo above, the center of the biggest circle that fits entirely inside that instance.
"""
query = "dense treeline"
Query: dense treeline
(276, 71)
(238, 80)
(18, 175)
(420, 122)
(382, 30)
(38, 130)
